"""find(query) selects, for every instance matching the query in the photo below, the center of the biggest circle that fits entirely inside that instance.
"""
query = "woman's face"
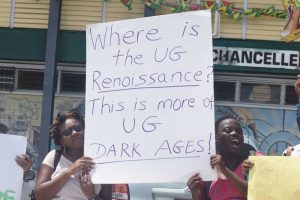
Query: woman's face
(72, 134)
(230, 136)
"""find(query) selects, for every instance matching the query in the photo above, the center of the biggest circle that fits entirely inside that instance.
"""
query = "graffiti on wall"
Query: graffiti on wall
(21, 114)
(268, 130)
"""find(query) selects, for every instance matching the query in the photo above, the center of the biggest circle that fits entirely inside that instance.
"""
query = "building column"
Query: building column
(49, 79)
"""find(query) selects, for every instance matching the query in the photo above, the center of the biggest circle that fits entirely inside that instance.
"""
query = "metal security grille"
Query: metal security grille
(7, 78)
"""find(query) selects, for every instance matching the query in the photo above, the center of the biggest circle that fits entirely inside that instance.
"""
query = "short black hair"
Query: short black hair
(218, 121)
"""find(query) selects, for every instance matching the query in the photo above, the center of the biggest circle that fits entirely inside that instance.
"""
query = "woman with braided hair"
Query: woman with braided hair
(69, 178)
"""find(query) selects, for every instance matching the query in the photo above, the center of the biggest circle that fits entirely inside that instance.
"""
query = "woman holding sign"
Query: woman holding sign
(64, 174)
(228, 161)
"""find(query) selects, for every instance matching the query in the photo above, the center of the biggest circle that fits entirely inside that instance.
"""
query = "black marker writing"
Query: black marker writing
(176, 104)
(179, 147)
(192, 30)
(122, 150)
(148, 125)
(128, 58)
(110, 37)
(173, 54)
(100, 104)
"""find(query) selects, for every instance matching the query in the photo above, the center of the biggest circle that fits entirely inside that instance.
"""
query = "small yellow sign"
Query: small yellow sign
(274, 178)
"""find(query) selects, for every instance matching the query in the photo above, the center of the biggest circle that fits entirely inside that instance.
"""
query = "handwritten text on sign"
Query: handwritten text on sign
(149, 98)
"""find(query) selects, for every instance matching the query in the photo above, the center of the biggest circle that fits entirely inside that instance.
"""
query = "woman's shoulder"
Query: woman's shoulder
(51, 153)
(49, 159)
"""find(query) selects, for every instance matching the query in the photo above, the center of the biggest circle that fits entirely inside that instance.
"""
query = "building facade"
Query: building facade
(255, 68)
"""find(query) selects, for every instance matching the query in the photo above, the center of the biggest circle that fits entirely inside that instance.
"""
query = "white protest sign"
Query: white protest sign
(11, 174)
(149, 98)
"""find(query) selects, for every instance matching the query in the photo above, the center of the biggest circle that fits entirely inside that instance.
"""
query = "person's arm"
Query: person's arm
(47, 188)
(239, 183)
(297, 90)
(86, 185)
(25, 162)
(298, 115)
(197, 187)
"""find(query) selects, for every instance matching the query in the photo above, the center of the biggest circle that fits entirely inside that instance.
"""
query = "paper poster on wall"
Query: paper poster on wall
(149, 98)
(274, 178)
(11, 174)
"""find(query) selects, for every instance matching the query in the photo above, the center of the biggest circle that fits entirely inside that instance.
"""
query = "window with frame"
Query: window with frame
(30, 80)
(260, 93)
(291, 97)
(255, 90)
(224, 91)
(72, 82)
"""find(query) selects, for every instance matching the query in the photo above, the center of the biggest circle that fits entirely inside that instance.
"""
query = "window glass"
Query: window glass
(71, 82)
(30, 80)
(260, 93)
(291, 97)
(224, 91)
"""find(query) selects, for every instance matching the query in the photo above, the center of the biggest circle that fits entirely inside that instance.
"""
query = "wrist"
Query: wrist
(222, 166)
(26, 171)
(69, 172)
(224, 170)
(28, 175)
